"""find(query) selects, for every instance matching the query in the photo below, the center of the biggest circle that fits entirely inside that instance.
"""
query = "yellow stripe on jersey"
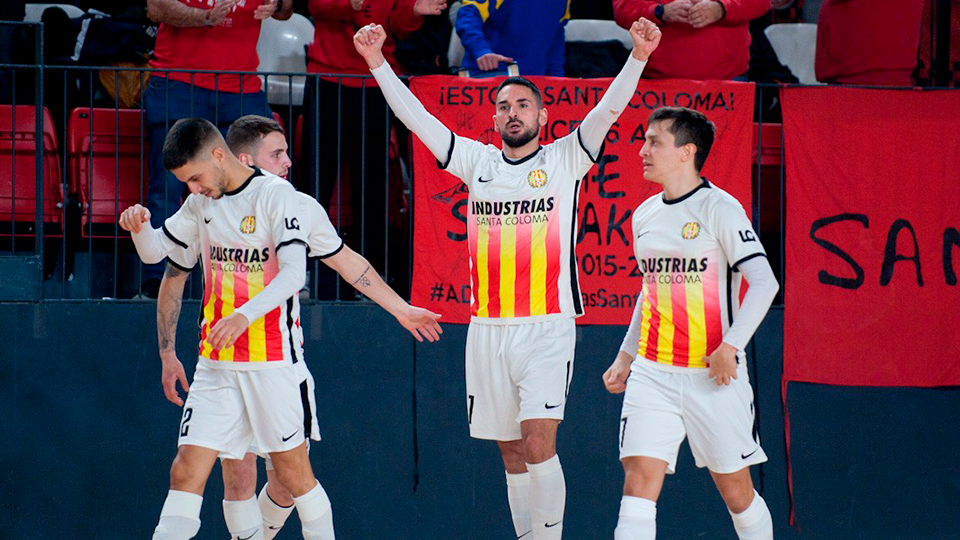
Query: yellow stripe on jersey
(208, 312)
(696, 324)
(538, 269)
(483, 6)
(647, 313)
(227, 296)
(665, 330)
(508, 270)
(256, 332)
(483, 273)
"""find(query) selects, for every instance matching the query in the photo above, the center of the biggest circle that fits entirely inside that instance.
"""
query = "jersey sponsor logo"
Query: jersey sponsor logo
(248, 225)
(656, 265)
(690, 230)
(747, 236)
(537, 178)
(235, 260)
(291, 224)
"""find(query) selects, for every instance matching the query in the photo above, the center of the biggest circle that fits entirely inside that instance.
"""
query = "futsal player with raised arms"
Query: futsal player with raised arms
(245, 390)
(525, 296)
(258, 141)
(682, 361)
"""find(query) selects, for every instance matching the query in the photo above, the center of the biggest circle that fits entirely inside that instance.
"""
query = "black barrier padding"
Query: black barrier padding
(88, 438)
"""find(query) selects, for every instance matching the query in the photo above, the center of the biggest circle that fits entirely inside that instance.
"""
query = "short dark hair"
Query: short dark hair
(688, 126)
(186, 139)
(522, 82)
(247, 131)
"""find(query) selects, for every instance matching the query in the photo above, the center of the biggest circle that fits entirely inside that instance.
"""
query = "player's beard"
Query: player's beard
(221, 185)
(520, 139)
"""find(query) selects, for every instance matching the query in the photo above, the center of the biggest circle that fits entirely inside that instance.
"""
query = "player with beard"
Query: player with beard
(525, 295)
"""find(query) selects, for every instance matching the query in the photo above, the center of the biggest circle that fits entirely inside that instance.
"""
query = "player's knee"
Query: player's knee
(643, 478)
(737, 492)
(186, 477)
(538, 448)
(296, 480)
(279, 494)
(240, 484)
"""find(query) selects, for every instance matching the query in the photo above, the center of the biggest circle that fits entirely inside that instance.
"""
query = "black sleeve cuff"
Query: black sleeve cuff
(444, 164)
(172, 237)
(745, 259)
(174, 264)
(294, 241)
(332, 253)
(603, 145)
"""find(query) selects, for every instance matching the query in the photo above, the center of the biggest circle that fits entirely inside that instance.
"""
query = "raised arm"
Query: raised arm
(152, 244)
(593, 130)
(369, 43)
(354, 268)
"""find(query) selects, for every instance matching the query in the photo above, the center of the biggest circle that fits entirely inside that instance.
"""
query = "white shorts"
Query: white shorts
(231, 410)
(517, 372)
(664, 404)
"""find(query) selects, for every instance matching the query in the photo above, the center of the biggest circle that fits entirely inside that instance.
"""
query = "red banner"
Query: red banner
(612, 190)
(872, 245)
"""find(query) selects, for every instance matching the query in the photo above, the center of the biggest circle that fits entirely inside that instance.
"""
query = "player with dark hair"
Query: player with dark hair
(525, 294)
(682, 361)
(246, 390)
(258, 141)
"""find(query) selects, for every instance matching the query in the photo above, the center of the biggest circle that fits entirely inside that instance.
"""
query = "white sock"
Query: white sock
(755, 522)
(518, 495)
(316, 515)
(548, 496)
(274, 515)
(180, 516)
(638, 519)
(243, 519)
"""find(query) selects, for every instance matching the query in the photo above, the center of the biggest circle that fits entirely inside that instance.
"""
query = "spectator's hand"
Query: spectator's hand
(677, 11)
(173, 372)
(133, 218)
(227, 330)
(357, 5)
(220, 11)
(646, 38)
(705, 12)
(429, 7)
(421, 323)
(266, 10)
(723, 364)
(369, 43)
(490, 61)
(615, 378)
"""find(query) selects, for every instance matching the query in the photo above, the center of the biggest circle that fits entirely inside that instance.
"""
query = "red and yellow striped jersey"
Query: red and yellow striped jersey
(688, 250)
(238, 237)
(521, 222)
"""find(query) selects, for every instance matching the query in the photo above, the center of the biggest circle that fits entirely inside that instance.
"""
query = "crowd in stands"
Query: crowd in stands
(872, 42)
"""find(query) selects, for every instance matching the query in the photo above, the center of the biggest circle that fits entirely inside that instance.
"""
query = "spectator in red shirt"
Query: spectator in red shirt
(345, 119)
(868, 41)
(702, 39)
(216, 35)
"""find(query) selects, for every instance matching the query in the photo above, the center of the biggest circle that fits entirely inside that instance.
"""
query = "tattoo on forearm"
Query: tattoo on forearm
(363, 280)
(167, 323)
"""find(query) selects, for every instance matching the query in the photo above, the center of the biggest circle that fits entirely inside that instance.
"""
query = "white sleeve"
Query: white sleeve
(153, 244)
(631, 340)
(184, 259)
(322, 238)
(434, 135)
(763, 288)
(597, 123)
(288, 282)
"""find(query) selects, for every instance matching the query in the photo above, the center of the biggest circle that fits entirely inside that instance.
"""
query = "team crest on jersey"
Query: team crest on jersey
(248, 225)
(537, 178)
(690, 231)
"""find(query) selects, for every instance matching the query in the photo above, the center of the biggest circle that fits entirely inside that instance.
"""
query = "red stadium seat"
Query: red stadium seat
(18, 170)
(107, 157)
(279, 120)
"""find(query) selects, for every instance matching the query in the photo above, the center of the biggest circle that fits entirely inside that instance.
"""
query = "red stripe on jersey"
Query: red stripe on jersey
(473, 234)
(217, 307)
(521, 286)
(553, 250)
(274, 336)
(713, 312)
(681, 321)
(653, 333)
(241, 294)
(493, 269)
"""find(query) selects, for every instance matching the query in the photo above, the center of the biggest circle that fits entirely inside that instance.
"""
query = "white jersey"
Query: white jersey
(322, 238)
(688, 250)
(238, 241)
(521, 228)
